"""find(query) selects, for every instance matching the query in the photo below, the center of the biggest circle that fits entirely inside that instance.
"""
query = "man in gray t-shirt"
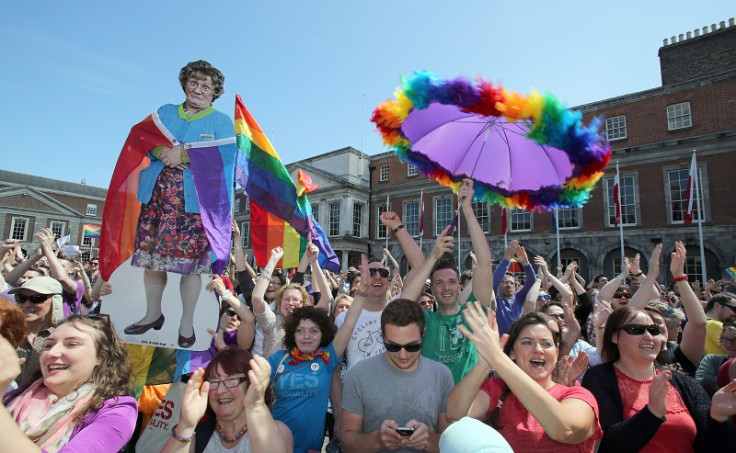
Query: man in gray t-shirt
(396, 390)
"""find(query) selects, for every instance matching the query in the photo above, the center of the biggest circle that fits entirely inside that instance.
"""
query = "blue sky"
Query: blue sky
(77, 75)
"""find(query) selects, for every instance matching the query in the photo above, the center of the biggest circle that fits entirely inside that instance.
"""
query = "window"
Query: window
(57, 228)
(521, 220)
(383, 176)
(86, 255)
(442, 214)
(315, 212)
(480, 209)
(237, 204)
(357, 219)
(335, 218)
(677, 181)
(678, 116)
(693, 269)
(87, 241)
(616, 128)
(19, 228)
(628, 201)
(381, 230)
(91, 209)
(568, 219)
(411, 217)
(411, 170)
(245, 232)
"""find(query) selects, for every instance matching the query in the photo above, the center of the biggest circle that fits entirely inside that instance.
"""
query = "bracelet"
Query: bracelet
(360, 293)
(183, 440)
(681, 278)
(227, 294)
(400, 227)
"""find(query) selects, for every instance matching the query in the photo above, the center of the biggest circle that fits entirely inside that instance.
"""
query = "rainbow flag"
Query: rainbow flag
(208, 161)
(731, 271)
(280, 213)
(151, 365)
(91, 231)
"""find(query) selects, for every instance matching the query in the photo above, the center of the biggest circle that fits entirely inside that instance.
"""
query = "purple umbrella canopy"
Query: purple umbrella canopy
(521, 151)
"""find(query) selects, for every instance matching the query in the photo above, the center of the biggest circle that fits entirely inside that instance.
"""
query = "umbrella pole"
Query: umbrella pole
(459, 267)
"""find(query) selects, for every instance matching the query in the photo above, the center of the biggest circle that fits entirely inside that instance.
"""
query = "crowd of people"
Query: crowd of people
(368, 360)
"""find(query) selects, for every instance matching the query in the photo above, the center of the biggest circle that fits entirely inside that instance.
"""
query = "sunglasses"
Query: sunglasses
(34, 299)
(639, 329)
(381, 271)
(546, 297)
(411, 347)
(560, 316)
(731, 307)
(231, 313)
(621, 295)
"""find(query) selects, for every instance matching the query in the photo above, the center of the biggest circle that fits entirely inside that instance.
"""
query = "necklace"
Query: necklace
(231, 439)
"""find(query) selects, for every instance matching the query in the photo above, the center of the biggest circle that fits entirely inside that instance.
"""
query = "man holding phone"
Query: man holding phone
(385, 402)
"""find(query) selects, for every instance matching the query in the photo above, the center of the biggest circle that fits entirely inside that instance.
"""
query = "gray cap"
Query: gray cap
(41, 285)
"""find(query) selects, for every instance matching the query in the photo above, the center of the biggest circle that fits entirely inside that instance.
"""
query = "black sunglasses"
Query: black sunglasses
(729, 306)
(381, 271)
(34, 299)
(639, 329)
(231, 313)
(620, 295)
(411, 347)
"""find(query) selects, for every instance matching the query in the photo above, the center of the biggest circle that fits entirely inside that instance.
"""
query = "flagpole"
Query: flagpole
(387, 228)
(621, 216)
(557, 232)
(504, 226)
(421, 219)
(698, 196)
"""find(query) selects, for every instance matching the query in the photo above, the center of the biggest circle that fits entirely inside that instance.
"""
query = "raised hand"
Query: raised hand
(312, 253)
(677, 260)
(390, 219)
(259, 374)
(510, 250)
(466, 192)
(443, 244)
(654, 260)
(484, 334)
(276, 254)
(723, 404)
(194, 400)
(658, 393)
(521, 256)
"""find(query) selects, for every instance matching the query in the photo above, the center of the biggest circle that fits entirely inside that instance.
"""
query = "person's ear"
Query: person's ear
(614, 338)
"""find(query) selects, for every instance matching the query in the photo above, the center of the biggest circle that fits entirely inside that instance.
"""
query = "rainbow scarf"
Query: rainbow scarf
(211, 164)
(731, 271)
(91, 231)
(280, 213)
(297, 356)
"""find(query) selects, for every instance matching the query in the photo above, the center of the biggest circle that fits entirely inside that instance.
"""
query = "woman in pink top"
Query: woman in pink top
(530, 410)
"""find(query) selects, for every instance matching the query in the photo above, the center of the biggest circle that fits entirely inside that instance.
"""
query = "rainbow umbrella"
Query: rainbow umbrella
(525, 151)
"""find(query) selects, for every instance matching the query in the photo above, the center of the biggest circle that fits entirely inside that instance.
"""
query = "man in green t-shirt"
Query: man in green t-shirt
(443, 340)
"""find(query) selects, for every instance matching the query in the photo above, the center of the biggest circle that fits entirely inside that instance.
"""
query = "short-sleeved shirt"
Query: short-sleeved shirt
(378, 391)
(302, 392)
(523, 432)
(366, 340)
(445, 343)
(713, 331)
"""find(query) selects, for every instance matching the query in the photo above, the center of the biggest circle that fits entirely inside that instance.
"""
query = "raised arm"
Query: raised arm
(693, 335)
(411, 249)
(266, 434)
(342, 337)
(609, 289)
(529, 274)
(530, 301)
(318, 278)
(645, 292)
(238, 248)
(569, 421)
(247, 329)
(483, 274)
(414, 282)
(557, 283)
(55, 267)
(503, 265)
(12, 277)
(259, 292)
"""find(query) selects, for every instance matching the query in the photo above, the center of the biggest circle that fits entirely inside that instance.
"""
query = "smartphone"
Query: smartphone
(405, 431)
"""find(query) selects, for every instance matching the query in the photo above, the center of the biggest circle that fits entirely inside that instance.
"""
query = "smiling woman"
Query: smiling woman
(82, 402)
(531, 411)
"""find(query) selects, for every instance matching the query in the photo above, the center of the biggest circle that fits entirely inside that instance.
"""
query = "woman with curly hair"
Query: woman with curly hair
(523, 403)
(170, 236)
(302, 373)
(83, 403)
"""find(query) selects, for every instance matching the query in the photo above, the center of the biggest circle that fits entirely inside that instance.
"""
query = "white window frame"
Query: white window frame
(61, 227)
(441, 218)
(411, 214)
(334, 219)
(358, 219)
(679, 116)
(245, 232)
(411, 170)
(381, 229)
(684, 176)
(86, 241)
(616, 128)
(237, 204)
(383, 172)
(91, 210)
(13, 222)
(514, 217)
(573, 214)
(315, 212)
(629, 202)
(482, 213)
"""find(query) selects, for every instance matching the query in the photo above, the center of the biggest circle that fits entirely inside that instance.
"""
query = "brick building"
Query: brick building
(653, 134)
(29, 203)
